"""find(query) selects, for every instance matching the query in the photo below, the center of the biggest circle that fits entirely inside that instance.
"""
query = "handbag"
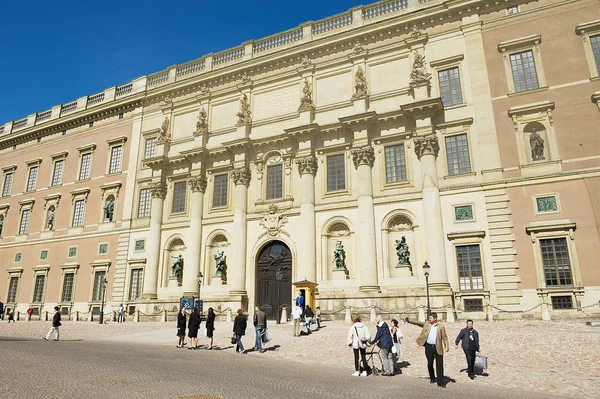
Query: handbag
(362, 341)
(233, 339)
(394, 349)
(265, 336)
(481, 362)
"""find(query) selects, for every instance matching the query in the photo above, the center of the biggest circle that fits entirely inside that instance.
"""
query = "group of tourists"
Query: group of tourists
(433, 338)
(193, 326)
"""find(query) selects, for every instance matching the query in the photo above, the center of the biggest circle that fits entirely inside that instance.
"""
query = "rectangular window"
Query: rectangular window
(220, 190)
(115, 159)
(12, 290)
(7, 186)
(44, 254)
(457, 152)
(38, 290)
(67, 291)
(84, 169)
(512, 10)
(150, 148)
(470, 274)
(135, 284)
(144, 204)
(72, 252)
(557, 266)
(523, 69)
(24, 227)
(473, 305)
(32, 179)
(274, 182)
(103, 249)
(140, 245)
(179, 191)
(595, 42)
(58, 172)
(395, 164)
(450, 87)
(562, 302)
(78, 213)
(98, 286)
(336, 172)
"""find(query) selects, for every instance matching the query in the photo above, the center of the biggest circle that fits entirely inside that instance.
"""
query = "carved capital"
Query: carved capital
(307, 165)
(427, 146)
(158, 190)
(363, 156)
(241, 176)
(197, 184)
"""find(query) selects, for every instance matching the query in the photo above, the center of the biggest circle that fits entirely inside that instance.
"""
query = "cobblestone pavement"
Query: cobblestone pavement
(555, 357)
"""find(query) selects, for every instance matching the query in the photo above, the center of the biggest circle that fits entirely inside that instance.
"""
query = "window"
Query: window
(67, 290)
(179, 191)
(512, 10)
(220, 190)
(12, 289)
(336, 172)
(135, 284)
(150, 148)
(450, 87)
(457, 151)
(85, 167)
(115, 159)
(7, 186)
(32, 179)
(103, 249)
(58, 172)
(595, 43)
(523, 69)
(463, 213)
(18, 257)
(546, 204)
(274, 181)
(140, 245)
(78, 213)
(98, 285)
(44, 254)
(24, 227)
(91, 124)
(121, 115)
(72, 252)
(562, 302)
(473, 305)
(555, 259)
(38, 290)
(395, 164)
(144, 204)
(470, 274)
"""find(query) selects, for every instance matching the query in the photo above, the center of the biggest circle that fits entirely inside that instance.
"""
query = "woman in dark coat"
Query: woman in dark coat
(193, 327)
(181, 322)
(239, 329)
(210, 326)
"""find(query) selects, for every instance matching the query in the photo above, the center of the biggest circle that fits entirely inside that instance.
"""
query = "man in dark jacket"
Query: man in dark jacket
(384, 337)
(470, 344)
(260, 323)
(55, 325)
(1, 311)
(239, 329)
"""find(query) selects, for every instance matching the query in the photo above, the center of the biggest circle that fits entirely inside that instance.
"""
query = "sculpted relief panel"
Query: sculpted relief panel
(274, 103)
(389, 76)
(224, 115)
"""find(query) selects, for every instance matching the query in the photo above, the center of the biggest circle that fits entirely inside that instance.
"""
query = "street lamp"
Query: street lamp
(199, 283)
(427, 267)
(101, 318)
(278, 276)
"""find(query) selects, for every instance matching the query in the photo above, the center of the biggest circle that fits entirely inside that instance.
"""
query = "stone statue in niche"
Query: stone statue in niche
(536, 142)
(221, 264)
(339, 256)
(109, 210)
(419, 75)
(402, 252)
(244, 116)
(177, 268)
(50, 219)
(306, 102)
(360, 83)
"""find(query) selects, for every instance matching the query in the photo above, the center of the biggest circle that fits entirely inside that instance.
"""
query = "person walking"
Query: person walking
(260, 323)
(10, 314)
(181, 323)
(239, 329)
(300, 302)
(470, 345)
(29, 314)
(210, 327)
(318, 312)
(358, 339)
(397, 338)
(435, 340)
(55, 326)
(296, 315)
(385, 342)
(120, 314)
(193, 327)
(1, 310)
(308, 316)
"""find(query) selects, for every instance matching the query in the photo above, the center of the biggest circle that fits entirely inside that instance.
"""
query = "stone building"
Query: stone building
(348, 152)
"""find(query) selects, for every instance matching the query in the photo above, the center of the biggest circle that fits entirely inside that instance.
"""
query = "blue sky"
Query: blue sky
(53, 52)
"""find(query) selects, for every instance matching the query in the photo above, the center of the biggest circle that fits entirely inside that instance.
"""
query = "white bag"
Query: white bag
(394, 350)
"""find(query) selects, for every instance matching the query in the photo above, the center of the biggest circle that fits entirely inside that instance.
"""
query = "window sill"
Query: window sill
(520, 93)
(219, 208)
(338, 193)
(113, 173)
(82, 180)
(594, 78)
(396, 185)
(21, 237)
(56, 185)
(454, 106)
(459, 175)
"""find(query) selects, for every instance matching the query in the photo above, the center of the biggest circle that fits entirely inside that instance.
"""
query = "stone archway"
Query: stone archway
(274, 260)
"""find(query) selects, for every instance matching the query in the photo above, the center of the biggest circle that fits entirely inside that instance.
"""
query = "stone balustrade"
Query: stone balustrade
(362, 15)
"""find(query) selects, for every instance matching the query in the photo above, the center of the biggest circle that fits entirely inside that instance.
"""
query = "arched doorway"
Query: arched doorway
(274, 279)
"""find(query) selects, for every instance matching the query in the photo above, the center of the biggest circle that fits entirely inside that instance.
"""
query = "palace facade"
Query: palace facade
(393, 147)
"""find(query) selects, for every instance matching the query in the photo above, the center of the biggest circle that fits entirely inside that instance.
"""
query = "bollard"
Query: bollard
(373, 315)
(90, 315)
(136, 316)
(421, 315)
(545, 311)
(284, 316)
(490, 315)
(450, 316)
(164, 316)
(17, 315)
(228, 317)
(348, 316)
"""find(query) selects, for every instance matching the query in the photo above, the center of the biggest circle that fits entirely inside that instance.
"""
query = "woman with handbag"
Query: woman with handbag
(239, 330)
(358, 339)
(397, 338)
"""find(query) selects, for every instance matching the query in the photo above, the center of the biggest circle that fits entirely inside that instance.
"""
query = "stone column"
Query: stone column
(427, 149)
(237, 273)
(367, 254)
(158, 192)
(191, 267)
(307, 267)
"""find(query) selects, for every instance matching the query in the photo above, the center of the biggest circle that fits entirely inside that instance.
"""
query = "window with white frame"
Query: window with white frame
(7, 185)
(590, 34)
(38, 290)
(395, 164)
(86, 166)
(67, 288)
(115, 159)
(179, 196)
(470, 274)
(220, 190)
(336, 172)
(150, 148)
(98, 287)
(32, 178)
(13, 287)
(595, 43)
(144, 203)
(24, 226)
(135, 284)
(78, 209)
(274, 182)
(523, 64)
(57, 174)
(457, 154)
(450, 90)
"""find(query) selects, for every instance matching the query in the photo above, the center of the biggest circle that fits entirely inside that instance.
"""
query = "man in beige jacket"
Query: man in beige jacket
(433, 337)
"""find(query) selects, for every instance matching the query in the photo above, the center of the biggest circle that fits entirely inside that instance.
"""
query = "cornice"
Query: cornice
(309, 129)
(519, 43)
(466, 234)
(365, 117)
(432, 105)
(459, 122)
(587, 27)
(531, 108)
